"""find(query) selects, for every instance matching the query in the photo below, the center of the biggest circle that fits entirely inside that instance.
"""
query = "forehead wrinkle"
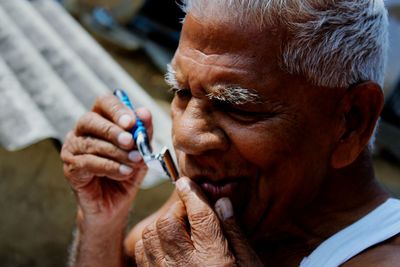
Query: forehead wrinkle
(237, 65)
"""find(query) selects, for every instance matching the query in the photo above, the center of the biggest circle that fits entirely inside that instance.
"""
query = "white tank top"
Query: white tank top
(377, 226)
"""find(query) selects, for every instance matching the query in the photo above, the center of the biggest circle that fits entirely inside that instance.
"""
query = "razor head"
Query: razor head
(168, 164)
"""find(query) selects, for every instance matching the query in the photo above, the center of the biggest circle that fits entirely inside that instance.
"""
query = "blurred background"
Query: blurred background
(55, 58)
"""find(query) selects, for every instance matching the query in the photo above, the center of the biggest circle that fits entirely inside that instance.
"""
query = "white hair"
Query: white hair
(332, 43)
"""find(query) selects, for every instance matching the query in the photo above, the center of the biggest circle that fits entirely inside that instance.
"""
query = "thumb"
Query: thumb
(245, 255)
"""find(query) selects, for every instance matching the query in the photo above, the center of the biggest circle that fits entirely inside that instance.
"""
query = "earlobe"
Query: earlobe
(360, 109)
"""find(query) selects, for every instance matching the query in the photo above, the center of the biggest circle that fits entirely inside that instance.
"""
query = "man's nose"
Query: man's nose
(196, 131)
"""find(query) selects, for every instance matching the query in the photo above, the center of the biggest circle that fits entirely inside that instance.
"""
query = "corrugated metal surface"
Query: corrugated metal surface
(51, 71)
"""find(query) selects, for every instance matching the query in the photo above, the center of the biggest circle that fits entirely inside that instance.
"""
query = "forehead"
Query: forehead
(222, 34)
(211, 50)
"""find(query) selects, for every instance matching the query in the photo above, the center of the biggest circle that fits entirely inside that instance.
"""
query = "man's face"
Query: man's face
(268, 155)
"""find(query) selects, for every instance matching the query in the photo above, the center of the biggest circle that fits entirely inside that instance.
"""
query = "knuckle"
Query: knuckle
(70, 168)
(139, 251)
(139, 246)
(113, 151)
(101, 99)
(83, 122)
(204, 217)
(64, 154)
(149, 232)
(116, 109)
(108, 130)
(64, 151)
(84, 118)
(165, 223)
(89, 145)
(110, 166)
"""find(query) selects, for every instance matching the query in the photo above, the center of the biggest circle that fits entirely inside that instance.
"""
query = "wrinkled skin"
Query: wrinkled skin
(193, 236)
(281, 161)
(104, 179)
(93, 156)
(282, 142)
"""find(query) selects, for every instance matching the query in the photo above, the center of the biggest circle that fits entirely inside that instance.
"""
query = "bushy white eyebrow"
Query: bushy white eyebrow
(170, 77)
(232, 94)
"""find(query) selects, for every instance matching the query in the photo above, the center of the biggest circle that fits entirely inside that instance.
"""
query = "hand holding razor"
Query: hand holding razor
(162, 161)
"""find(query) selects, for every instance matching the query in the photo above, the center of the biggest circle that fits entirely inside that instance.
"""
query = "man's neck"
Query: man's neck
(345, 197)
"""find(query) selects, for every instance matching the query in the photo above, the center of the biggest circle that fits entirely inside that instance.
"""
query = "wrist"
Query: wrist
(101, 222)
(99, 245)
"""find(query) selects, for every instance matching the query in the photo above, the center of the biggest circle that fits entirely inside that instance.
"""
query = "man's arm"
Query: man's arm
(104, 169)
(386, 254)
(136, 233)
(92, 241)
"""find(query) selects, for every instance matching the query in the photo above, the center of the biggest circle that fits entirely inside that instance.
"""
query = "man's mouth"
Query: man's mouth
(216, 190)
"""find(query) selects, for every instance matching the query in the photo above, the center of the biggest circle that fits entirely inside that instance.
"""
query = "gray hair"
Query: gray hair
(332, 43)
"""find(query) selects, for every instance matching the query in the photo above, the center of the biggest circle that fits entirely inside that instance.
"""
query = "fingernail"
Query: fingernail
(124, 120)
(125, 170)
(124, 138)
(182, 185)
(224, 209)
(135, 156)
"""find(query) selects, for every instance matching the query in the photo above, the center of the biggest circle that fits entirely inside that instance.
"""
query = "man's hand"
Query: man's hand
(104, 169)
(190, 234)
(101, 162)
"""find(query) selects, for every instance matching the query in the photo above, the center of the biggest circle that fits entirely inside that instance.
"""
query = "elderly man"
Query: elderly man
(274, 108)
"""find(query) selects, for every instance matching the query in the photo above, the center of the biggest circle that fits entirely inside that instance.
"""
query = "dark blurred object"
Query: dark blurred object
(154, 27)
(158, 20)
(388, 139)
(391, 111)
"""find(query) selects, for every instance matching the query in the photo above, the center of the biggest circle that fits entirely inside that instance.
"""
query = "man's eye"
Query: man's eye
(244, 116)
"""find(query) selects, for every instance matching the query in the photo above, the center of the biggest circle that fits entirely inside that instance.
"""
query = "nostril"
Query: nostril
(200, 142)
(195, 130)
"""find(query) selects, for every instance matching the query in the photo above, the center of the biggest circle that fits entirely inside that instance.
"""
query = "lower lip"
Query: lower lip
(217, 191)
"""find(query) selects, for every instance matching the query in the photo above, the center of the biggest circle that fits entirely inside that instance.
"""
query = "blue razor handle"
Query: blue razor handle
(139, 132)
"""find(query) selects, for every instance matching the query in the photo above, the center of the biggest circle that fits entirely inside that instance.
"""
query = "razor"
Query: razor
(161, 162)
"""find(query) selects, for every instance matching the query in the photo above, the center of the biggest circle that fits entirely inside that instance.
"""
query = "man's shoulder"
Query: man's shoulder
(383, 254)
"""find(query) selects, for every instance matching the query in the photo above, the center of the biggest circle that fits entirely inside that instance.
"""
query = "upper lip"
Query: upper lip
(201, 170)
(199, 179)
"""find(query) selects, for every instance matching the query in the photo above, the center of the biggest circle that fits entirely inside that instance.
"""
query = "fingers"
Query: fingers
(174, 233)
(245, 255)
(140, 255)
(78, 145)
(152, 245)
(111, 108)
(85, 167)
(101, 144)
(92, 124)
(202, 219)
(166, 241)
(86, 157)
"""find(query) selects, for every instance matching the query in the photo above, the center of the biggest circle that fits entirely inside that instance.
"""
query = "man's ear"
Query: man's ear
(360, 109)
